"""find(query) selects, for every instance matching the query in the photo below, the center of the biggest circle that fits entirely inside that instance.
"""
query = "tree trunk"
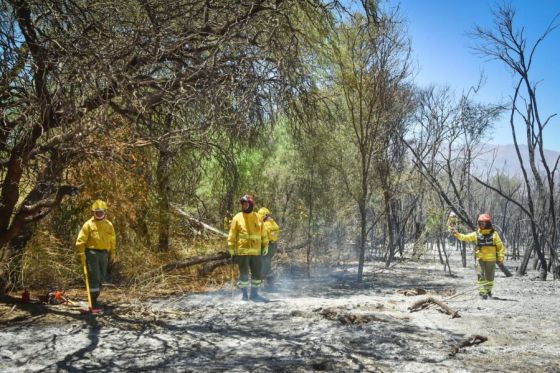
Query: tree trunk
(11, 274)
(46, 195)
(438, 245)
(390, 231)
(164, 189)
(463, 248)
(362, 248)
(538, 250)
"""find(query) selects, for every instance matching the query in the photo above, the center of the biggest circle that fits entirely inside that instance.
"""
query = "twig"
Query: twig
(473, 340)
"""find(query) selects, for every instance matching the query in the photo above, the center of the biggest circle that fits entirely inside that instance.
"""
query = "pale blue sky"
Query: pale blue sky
(439, 30)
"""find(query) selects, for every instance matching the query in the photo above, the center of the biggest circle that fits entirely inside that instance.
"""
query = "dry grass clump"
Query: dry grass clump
(48, 263)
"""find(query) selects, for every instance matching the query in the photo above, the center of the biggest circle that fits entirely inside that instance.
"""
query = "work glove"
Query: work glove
(112, 257)
(265, 251)
(231, 252)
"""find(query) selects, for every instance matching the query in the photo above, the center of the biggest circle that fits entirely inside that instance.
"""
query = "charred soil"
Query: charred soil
(324, 323)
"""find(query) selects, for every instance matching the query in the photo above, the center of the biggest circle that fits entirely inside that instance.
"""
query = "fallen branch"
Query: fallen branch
(194, 261)
(473, 340)
(209, 267)
(504, 269)
(185, 214)
(220, 258)
(184, 264)
(420, 305)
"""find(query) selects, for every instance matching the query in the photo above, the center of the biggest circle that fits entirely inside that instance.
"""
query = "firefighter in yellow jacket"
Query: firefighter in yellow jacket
(96, 246)
(273, 231)
(489, 251)
(247, 241)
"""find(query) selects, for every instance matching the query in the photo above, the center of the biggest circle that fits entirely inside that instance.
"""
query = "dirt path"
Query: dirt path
(327, 323)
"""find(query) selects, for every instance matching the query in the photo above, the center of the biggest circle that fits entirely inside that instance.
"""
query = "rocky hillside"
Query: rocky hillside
(503, 158)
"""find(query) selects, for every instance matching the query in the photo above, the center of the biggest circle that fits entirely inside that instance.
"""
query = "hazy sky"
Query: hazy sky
(443, 53)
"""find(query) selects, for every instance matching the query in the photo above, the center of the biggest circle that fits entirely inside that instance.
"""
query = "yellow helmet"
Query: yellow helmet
(99, 205)
(263, 211)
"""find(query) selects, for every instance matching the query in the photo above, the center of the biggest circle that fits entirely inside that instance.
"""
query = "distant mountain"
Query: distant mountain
(503, 159)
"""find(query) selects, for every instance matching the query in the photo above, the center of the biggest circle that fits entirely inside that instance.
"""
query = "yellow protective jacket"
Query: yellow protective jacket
(489, 246)
(272, 229)
(97, 234)
(247, 235)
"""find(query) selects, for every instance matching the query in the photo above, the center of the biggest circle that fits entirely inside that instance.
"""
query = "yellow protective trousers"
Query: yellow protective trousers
(485, 272)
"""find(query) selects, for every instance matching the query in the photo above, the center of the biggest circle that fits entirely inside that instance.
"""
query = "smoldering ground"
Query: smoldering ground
(326, 322)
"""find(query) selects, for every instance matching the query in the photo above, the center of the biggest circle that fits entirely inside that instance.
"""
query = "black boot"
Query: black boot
(255, 297)
(95, 306)
(94, 295)
(245, 295)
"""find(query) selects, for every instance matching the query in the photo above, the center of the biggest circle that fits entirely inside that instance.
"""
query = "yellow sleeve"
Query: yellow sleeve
(274, 231)
(232, 236)
(83, 236)
(469, 237)
(264, 236)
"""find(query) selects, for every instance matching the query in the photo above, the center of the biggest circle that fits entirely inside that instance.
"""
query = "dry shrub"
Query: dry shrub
(49, 262)
(120, 174)
(154, 281)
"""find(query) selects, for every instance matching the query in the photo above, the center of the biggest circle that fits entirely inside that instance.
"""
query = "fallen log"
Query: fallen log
(220, 259)
(209, 267)
(194, 261)
(420, 305)
(504, 269)
(472, 341)
(200, 259)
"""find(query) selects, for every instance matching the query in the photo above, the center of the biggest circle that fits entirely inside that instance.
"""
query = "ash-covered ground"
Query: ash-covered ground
(324, 323)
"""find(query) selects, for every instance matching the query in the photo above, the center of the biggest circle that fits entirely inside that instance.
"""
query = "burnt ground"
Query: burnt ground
(324, 323)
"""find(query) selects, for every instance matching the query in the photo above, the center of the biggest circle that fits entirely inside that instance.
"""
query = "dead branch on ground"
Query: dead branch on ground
(209, 267)
(420, 305)
(194, 261)
(472, 341)
(504, 269)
